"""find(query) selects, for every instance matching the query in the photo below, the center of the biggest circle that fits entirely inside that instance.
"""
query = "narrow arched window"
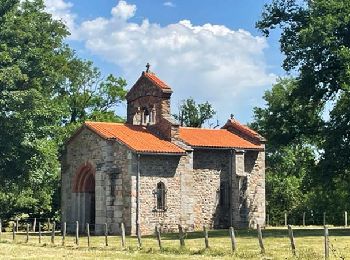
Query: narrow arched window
(145, 116)
(161, 196)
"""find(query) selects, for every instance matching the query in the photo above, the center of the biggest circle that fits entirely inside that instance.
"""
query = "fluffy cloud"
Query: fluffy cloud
(123, 10)
(208, 62)
(169, 4)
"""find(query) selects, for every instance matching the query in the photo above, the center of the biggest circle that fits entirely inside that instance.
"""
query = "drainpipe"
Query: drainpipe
(138, 194)
(231, 188)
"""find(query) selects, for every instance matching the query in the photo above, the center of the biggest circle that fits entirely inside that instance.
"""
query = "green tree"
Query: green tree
(290, 152)
(86, 95)
(32, 54)
(194, 115)
(315, 39)
(45, 93)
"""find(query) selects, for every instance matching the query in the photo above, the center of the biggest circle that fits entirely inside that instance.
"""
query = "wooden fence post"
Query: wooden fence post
(17, 224)
(48, 224)
(326, 243)
(34, 224)
(291, 237)
(106, 234)
(261, 244)
(77, 233)
(267, 220)
(206, 237)
(0, 228)
(14, 232)
(39, 233)
(181, 236)
(346, 218)
(27, 233)
(138, 231)
(233, 239)
(88, 233)
(53, 232)
(324, 218)
(304, 214)
(64, 233)
(285, 219)
(123, 235)
(158, 237)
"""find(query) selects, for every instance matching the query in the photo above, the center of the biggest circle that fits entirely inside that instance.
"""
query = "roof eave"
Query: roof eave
(226, 148)
(160, 153)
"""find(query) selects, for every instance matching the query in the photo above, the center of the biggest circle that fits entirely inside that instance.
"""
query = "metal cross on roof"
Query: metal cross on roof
(147, 67)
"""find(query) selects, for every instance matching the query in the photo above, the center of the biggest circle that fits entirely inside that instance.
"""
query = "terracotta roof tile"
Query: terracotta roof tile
(151, 76)
(215, 138)
(138, 138)
(243, 128)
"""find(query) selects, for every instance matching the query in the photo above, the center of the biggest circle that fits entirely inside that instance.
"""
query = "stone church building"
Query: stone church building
(151, 171)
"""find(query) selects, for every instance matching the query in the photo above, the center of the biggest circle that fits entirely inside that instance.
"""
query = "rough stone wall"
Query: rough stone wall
(112, 186)
(255, 168)
(210, 169)
(176, 173)
(248, 188)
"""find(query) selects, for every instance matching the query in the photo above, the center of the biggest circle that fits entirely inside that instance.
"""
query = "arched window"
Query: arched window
(145, 116)
(161, 196)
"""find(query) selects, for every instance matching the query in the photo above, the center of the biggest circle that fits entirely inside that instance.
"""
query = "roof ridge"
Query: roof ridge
(199, 128)
(103, 122)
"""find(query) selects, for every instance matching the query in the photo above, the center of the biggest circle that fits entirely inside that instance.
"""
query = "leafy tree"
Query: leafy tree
(86, 95)
(290, 153)
(194, 115)
(315, 40)
(286, 119)
(45, 92)
(32, 54)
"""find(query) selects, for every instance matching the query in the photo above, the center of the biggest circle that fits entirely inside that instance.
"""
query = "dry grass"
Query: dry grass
(309, 244)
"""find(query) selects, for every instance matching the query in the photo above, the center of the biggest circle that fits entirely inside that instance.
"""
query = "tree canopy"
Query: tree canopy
(45, 92)
(311, 109)
(194, 115)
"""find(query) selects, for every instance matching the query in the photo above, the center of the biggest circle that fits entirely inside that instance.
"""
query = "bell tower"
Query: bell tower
(148, 104)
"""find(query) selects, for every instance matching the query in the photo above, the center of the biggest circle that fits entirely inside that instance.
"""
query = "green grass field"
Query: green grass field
(309, 245)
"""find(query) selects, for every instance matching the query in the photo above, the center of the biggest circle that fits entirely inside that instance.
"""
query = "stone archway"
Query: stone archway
(84, 190)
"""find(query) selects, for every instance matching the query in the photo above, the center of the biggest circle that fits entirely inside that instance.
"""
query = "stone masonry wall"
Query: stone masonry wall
(210, 169)
(255, 168)
(248, 189)
(176, 173)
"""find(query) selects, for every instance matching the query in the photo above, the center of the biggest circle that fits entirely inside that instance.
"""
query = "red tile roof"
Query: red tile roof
(242, 128)
(151, 76)
(137, 138)
(214, 138)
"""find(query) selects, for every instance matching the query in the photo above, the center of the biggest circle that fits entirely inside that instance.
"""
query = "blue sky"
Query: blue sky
(209, 50)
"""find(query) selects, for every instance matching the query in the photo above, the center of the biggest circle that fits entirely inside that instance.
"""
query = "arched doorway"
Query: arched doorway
(84, 188)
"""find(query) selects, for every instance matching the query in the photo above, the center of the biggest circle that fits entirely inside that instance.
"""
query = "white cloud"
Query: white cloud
(123, 10)
(169, 4)
(208, 62)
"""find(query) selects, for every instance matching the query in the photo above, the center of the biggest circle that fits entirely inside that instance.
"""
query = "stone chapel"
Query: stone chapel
(151, 171)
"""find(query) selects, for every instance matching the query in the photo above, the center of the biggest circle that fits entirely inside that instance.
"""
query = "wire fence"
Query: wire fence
(308, 218)
(42, 229)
